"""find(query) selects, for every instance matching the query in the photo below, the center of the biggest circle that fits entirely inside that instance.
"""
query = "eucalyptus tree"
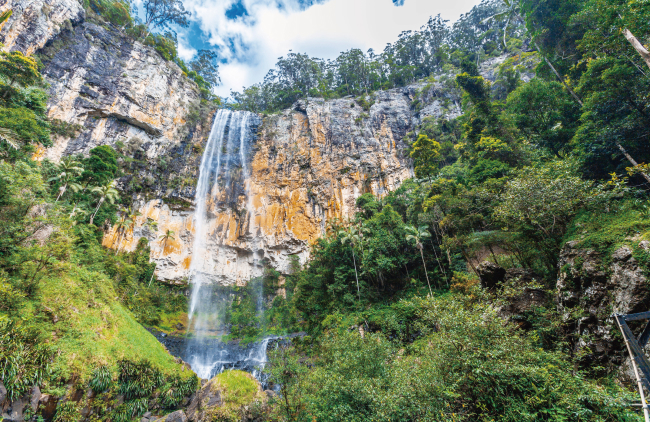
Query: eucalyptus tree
(164, 14)
(206, 66)
(417, 236)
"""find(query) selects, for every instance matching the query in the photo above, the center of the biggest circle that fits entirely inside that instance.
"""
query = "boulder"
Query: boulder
(3, 393)
(590, 288)
(490, 274)
(529, 294)
(177, 416)
(225, 396)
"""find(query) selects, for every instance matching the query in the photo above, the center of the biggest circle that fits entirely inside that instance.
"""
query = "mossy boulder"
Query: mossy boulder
(226, 397)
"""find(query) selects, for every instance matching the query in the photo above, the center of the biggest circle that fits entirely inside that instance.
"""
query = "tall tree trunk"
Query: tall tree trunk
(356, 275)
(561, 79)
(645, 54)
(92, 217)
(425, 272)
(152, 274)
(632, 160)
(119, 240)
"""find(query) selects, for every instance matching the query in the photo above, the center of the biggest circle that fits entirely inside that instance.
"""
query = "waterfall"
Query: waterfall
(223, 177)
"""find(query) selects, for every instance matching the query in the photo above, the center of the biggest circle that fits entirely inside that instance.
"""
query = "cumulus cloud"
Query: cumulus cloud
(251, 34)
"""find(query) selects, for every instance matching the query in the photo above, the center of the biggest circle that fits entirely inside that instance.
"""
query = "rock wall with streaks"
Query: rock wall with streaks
(305, 165)
(34, 22)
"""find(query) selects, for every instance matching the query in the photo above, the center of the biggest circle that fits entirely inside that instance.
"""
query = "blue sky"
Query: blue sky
(250, 35)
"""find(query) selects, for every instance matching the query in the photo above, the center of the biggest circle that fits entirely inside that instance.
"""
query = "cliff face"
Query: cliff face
(116, 90)
(591, 288)
(305, 166)
(34, 22)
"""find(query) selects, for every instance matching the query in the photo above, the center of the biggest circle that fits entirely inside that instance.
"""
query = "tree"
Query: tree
(101, 165)
(19, 68)
(510, 14)
(417, 236)
(426, 154)
(121, 227)
(164, 13)
(540, 202)
(349, 236)
(169, 235)
(68, 169)
(206, 66)
(544, 114)
(105, 192)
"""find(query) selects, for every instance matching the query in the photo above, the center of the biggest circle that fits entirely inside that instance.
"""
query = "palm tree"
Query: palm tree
(128, 223)
(169, 235)
(417, 236)
(68, 169)
(106, 192)
(122, 226)
(353, 238)
(11, 138)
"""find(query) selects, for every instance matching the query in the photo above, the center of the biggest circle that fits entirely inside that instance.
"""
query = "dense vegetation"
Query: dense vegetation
(71, 310)
(398, 325)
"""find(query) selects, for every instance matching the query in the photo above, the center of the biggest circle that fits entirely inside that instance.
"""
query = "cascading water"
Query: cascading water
(223, 175)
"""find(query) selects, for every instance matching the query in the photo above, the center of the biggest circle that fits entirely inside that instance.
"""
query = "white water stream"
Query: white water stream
(224, 165)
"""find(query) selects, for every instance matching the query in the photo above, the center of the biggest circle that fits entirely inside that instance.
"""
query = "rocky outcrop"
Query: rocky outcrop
(591, 287)
(115, 90)
(307, 165)
(34, 22)
(178, 416)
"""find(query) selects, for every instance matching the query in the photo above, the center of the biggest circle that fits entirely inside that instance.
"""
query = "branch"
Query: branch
(637, 46)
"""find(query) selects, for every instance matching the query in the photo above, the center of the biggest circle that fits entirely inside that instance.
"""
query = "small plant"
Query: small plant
(66, 412)
(101, 380)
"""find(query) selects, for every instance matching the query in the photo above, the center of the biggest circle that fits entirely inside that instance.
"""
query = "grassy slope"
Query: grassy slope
(92, 328)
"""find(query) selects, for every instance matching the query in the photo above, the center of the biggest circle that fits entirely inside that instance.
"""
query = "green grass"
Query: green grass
(169, 323)
(80, 313)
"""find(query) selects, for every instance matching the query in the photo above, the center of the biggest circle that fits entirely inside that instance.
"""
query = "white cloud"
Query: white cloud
(252, 44)
(185, 50)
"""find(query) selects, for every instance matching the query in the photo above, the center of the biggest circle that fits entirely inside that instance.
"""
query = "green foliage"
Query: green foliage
(545, 114)
(465, 354)
(426, 154)
(540, 202)
(101, 379)
(67, 411)
(65, 129)
(24, 358)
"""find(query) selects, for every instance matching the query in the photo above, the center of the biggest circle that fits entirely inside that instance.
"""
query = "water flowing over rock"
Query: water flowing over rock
(222, 189)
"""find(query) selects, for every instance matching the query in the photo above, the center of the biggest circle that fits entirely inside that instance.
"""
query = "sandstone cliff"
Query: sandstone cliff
(34, 22)
(306, 165)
